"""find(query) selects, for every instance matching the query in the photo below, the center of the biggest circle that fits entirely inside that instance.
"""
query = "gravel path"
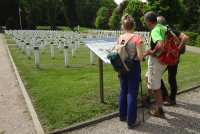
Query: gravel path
(14, 116)
(182, 119)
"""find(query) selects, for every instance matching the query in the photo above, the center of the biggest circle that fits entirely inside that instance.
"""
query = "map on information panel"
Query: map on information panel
(101, 48)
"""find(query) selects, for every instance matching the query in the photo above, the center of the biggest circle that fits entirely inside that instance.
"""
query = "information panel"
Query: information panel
(101, 48)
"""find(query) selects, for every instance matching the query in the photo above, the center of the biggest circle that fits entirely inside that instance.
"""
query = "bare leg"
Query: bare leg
(159, 99)
(158, 111)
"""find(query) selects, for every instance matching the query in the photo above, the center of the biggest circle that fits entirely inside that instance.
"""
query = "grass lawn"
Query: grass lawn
(65, 96)
(9, 40)
(63, 28)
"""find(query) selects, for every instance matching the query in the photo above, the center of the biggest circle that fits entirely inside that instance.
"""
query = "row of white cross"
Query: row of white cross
(38, 40)
(29, 40)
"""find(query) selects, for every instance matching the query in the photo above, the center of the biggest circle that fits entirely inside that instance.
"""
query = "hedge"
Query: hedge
(194, 39)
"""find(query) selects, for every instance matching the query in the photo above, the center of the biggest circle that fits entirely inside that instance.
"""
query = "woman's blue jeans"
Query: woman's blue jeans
(128, 95)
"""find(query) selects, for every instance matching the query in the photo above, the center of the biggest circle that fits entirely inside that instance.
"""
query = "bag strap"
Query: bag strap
(126, 42)
(172, 33)
(125, 45)
(127, 48)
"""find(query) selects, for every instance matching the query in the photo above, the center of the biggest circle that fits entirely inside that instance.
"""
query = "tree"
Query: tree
(87, 10)
(191, 16)
(114, 21)
(70, 13)
(102, 18)
(54, 8)
(9, 12)
(110, 4)
(134, 8)
(172, 10)
(122, 7)
(31, 12)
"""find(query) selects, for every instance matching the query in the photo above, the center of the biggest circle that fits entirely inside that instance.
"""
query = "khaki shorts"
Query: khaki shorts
(154, 73)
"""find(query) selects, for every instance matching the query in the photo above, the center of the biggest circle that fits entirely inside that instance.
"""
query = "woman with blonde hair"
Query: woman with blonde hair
(129, 82)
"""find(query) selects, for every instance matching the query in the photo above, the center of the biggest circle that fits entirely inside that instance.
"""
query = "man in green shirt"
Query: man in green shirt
(155, 68)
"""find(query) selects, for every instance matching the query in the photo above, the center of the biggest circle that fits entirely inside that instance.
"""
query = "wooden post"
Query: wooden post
(101, 86)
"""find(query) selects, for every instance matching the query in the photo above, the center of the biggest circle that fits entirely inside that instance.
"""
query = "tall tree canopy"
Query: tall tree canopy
(134, 8)
(184, 13)
(9, 13)
(171, 9)
(191, 19)
(102, 18)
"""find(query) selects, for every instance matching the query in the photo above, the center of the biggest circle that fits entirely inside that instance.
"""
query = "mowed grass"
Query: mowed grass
(65, 96)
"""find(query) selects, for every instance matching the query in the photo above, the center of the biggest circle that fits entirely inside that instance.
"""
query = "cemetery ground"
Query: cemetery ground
(65, 96)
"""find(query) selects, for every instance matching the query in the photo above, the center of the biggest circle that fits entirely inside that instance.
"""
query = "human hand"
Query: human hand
(146, 53)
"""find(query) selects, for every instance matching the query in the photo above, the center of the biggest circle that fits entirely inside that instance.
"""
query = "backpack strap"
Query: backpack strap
(123, 42)
(127, 48)
(169, 29)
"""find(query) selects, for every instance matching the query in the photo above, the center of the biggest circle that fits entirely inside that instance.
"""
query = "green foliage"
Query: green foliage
(191, 15)
(86, 11)
(134, 8)
(122, 6)
(54, 8)
(193, 37)
(114, 21)
(62, 12)
(198, 41)
(70, 13)
(182, 13)
(110, 4)
(102, 18)
(172, 10)
(9, 13)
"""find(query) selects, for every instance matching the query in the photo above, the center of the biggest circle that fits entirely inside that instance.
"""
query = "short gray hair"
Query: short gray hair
(161, 20)
(150, 16)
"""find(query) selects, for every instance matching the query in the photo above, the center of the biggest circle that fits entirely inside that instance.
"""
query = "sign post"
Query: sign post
(92, 58)
(101, 83)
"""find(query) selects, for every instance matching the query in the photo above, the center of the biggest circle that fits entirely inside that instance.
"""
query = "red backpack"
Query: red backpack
(169, 52)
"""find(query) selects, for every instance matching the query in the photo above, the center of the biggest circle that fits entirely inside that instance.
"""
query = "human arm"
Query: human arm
(139, 49)
(158, 47)
(183, 38)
